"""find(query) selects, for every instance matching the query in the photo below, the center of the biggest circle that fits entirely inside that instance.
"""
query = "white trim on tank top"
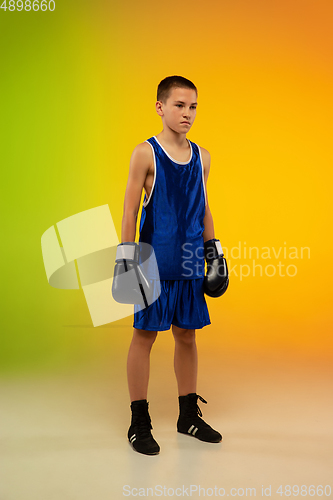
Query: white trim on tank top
(152, 188)
(203, 177)
(202, 172)
(175, 161)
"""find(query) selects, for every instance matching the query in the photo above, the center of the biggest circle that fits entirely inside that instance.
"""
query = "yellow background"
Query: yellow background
(78, 90)
(78, 93)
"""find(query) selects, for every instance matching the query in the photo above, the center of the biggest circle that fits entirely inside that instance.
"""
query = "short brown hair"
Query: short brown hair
(170, 82)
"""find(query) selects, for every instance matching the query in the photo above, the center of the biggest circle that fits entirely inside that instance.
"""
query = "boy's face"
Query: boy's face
(180, 107)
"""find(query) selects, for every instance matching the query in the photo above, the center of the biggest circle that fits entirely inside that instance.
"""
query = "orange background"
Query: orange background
(79, 87)
(78, 90)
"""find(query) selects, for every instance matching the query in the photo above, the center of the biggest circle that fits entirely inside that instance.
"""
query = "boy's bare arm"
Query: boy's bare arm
(139, 167)
(208, 233)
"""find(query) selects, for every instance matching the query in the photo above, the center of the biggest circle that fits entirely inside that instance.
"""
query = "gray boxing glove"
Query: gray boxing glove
(130, 284)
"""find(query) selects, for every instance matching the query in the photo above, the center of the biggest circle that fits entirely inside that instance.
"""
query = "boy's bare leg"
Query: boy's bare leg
(186, 366)
(138, 363)
(185, 360)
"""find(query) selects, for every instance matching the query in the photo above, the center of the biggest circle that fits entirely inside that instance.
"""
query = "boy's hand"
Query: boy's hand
(216, 280)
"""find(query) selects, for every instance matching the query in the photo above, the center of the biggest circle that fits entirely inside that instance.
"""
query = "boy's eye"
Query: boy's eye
(193, 107)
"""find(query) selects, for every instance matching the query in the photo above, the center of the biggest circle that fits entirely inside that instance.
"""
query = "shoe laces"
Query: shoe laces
(198, 408)
(192, 408)
(143, 424)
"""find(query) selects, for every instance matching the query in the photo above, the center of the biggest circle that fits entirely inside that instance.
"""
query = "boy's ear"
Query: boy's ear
(159, 108)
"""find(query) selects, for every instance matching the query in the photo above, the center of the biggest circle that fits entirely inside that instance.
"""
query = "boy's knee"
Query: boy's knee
(184, 336)
(144, 337)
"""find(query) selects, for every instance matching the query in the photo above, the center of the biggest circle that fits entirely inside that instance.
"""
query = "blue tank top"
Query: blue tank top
(172, 217)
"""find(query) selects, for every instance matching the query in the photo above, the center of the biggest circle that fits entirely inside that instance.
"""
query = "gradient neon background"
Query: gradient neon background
(78, 89)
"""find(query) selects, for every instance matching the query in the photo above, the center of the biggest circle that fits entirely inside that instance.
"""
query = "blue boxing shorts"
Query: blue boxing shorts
(181, 303)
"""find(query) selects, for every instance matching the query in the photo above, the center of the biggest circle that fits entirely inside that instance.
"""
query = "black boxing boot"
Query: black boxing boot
(190, 423)
(139, 434)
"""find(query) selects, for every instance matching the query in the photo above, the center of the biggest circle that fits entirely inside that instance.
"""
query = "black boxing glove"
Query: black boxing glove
(216, 280)
(130, 284)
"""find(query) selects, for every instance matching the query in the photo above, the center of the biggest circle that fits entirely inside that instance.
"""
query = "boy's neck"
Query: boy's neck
(173, 139)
